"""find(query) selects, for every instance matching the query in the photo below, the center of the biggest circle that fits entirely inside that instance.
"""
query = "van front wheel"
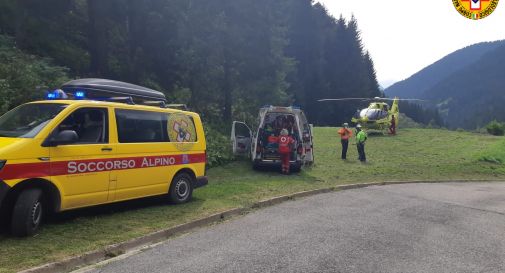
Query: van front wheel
(27, 213)
(181, 189)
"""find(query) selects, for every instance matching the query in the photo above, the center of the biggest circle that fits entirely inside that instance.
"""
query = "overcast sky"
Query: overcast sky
(404, 36)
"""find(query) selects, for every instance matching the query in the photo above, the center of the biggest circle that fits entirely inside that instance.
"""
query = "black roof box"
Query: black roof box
(102, 88)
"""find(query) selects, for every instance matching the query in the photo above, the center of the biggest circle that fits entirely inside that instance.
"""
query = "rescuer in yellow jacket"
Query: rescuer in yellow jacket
(361, 138)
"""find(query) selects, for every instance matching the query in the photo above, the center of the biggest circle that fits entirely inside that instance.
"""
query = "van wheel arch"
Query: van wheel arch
(187, 171)
(50, 192)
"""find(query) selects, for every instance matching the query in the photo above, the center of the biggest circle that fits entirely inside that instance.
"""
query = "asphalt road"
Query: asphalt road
(446, 227)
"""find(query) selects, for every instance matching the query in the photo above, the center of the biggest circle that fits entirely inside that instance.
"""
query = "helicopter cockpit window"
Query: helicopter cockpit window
(376, 114)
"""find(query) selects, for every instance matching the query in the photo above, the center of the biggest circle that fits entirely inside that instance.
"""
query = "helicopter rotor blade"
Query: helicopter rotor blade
(343, 99)
(369, 99)
(402, 99)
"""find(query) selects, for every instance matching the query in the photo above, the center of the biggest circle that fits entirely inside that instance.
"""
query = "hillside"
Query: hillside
(416, 85)
(467, 86)
(474, 95)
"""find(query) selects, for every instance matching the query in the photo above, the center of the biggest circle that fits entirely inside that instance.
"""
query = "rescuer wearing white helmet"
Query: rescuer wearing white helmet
(345, 133)
(285, 149)
(361, 138)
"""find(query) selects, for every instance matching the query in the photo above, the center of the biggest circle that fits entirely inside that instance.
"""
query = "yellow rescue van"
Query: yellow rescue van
(94, 142)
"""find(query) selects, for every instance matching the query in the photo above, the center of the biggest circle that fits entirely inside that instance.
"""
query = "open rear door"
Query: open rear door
(240, 138)
(309, 146)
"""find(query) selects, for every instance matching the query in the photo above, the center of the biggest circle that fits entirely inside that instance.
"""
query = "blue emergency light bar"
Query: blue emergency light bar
(57, 94)
(79, 95)
(50, 96)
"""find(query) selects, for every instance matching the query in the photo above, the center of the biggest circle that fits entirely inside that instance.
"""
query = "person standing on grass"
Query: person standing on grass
(345, 134)
(285, 148)
(360, 143)
(392, 128)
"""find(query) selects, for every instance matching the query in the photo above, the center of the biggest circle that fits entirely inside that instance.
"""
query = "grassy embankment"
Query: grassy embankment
(414, 154)
(495, 153)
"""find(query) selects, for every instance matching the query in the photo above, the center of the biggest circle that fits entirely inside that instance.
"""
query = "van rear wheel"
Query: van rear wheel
(27, 213)
(296, 168)
(181, 189)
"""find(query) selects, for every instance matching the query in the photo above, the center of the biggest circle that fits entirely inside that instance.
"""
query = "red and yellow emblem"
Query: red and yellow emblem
(181, 131)
(475, 9)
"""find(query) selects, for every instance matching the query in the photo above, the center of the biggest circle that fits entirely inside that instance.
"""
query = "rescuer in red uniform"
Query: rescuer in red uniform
(285, 148)
(392, 128)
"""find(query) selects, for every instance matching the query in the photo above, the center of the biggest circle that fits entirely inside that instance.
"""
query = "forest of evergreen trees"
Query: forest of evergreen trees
(224, 58)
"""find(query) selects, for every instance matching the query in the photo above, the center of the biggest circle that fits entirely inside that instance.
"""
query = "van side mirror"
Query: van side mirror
(62, 138)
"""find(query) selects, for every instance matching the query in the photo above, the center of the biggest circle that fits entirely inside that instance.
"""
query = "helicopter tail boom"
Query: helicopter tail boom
(394, 107)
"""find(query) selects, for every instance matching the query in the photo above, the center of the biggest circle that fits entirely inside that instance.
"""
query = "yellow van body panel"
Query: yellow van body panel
(93, 174)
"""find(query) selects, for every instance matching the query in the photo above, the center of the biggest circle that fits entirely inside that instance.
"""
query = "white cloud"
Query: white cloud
(405, 36)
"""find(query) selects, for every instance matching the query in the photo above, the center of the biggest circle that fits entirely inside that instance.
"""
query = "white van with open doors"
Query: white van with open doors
(261, 144)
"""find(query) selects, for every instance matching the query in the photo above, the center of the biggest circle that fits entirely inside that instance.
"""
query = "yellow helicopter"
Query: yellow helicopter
(378, 115)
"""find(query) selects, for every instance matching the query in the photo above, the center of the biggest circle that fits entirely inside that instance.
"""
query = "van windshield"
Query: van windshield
(27, 120)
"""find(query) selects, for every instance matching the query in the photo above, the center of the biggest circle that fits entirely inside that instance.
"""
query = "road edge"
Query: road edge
(111, 251)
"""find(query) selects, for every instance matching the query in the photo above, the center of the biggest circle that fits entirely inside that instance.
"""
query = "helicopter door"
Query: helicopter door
(240, 138)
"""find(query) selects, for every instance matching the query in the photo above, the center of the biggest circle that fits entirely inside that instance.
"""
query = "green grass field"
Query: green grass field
(494, 154)
(415, 154)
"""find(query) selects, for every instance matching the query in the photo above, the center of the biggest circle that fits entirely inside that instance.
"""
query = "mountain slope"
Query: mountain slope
(475, 94)
(416, 85)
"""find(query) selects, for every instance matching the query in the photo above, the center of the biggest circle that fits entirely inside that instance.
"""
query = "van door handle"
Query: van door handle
(106, 149)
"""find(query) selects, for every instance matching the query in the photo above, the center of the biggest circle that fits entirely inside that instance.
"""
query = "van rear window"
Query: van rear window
(135, 126)
(141, 126)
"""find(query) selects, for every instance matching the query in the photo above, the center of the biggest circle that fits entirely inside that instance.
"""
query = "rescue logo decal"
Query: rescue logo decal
(185, 159)
(34, 170)
(181, 130)
(475, 9)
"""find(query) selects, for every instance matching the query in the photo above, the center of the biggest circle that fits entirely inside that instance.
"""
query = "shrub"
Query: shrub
(496, 128)
(24, 77)
(219, 150)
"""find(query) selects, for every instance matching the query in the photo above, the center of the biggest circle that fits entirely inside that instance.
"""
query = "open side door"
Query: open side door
(240, 138)
(308, 145)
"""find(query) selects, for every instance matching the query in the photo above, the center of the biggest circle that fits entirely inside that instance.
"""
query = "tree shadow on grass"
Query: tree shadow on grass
(110, 209)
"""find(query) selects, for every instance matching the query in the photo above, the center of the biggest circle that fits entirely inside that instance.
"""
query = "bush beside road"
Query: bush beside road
(415, 154)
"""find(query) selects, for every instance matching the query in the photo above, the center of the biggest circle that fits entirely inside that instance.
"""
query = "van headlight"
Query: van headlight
(2, 163)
